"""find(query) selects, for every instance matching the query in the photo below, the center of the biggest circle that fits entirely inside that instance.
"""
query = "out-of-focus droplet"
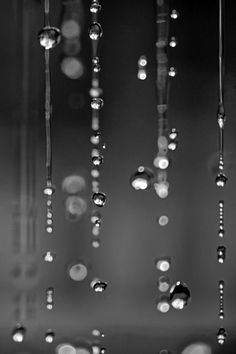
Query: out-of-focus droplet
(49, 336)
(172, 71)
(221, 179)
(49, 37)
(95, 31)
(174, 14)
(142, 74)
(95, 173)
(96, 243)
(78, 271)
(163, 283)
(142, 178)
(173, 42)
(97, 160)
(73, 184)
(95, 7)
(96, 230)
(103, 350)
(163, 304)
(18, 334)
(65, 348)
(95, 216)
(221, 336)
(97, 103)
(161, 161)
(163, 264)
(96, 332)
(162, 143)
(163, 220)
(221, 254)
(72, 67)
(95, 349)
(162, 189)
(49, 256)
(98, 285)
(197, 348)
(99, 199)
(75, 207)
(180, 295)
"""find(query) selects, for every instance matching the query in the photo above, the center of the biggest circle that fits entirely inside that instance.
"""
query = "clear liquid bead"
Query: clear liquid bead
(221, 179)
(49, 336)
(99, 199)
(98, 285)
(221, 336)
(95, 31)
(174, 14)
(49, 37)
(97, 160)
(97, 103)
(142, 178)
(95, 7)
(18, 334)
(172, 71)
(49, 257)
(96, 64)
(180, 295)
(173, 42)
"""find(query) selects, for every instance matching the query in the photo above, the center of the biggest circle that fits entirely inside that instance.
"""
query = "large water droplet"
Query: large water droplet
(97, 160)
(142, 179)
(221, 254)
(49, 37)
(18, 334)
(221, 179)
(221, 336)
(95, 7)
(180, 295)
(97, 103)
(174, 14)
(99, 199)
(95, 31)
(98, 285)
(49, 336)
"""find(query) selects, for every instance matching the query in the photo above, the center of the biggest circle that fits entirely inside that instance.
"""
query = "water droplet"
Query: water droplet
(163, 220)
(163, 283)
(161, 161)
(18, 334)
(162, 189)
(96, 332)
(163, 263)
(49, 229)
(103, 350)
(95, 7)
(97, 103)
(95, 349)
(173, 134)
(99, 199)
(75, 206)
(95, 31)
(163, 304)
(221, 336)
(180, 295)
(221, 254)
(49, 336)
(95, 216)
(96, 243)
(95, 173)
(65, 348)
(173, 42)
(49, 37)
(221, 179)
(98, 285)
(97, 160)
(142, 74)
(142, 61)
(49, 298)
(172, 145)
(49, 190)
(49, 256)
(95, 91)
(142, 178)
(172, 71)
(50, 306)
(77, 271)
(96, 231)
(95, 138)
(174, 14)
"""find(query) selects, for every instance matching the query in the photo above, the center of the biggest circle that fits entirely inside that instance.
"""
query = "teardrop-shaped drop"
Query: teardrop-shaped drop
(180, 295)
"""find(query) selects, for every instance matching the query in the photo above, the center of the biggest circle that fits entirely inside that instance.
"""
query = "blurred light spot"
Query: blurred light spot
(96, 349)
(75, 207)
(70, 29)
(163, 264)
(82, 351)
(72, 67)
(163, 220)
(162, 189)
(65, 349)
(197, 348)
(96, 332)
(73, 184)
(163, 304)
(78, 271)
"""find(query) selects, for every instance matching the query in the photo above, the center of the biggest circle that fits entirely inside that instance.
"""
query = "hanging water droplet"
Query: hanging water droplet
(173, 42)
(172, 145)
(49, 229)
(97, 103)
(97, 160)
(142, 178)
(221, 179)
(142, 74)
(98, 285)
(95, 7)
(96, 243)
(163, 283)
(221, 254)
(49, 336)
(221, 336)
(162, 189)
(163, 220)
(99, 199)
(163, 263)
(142, 61)
(18, 333)
(172, 71)
(95, 31)
(49, 190)
(163, 304)
(49, 37)
(161, 161)
(173, 134)
(49, 256)
(180, 295)
(174, 14)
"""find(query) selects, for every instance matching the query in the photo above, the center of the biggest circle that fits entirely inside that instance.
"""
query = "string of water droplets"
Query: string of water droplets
(99, 198)
(48, 37)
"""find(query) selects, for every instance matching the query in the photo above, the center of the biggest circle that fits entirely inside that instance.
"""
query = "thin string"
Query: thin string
(46, 13)
(48, 117)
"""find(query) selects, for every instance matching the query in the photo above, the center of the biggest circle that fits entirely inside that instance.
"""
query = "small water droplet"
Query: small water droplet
(99, 199)
(164, 351)
(174, 14)
(161, 161)
(163, 220)
(172, 145)
(173, 134)
(49, 37)
(97, 103)
(49, 190)
(95, 7)
(163, 283)
(142, 178)
(49, 298)
(172, 71)
(97, 160)
(142, 61)
(95, 173)
(103, 350)
(49, 256)
(49, 336)
(180, 295)
(98, 285)
(162, 189)
(221, 336)
(163, 264)
(95, 31)
(142, 74)
(163, 304)
(96, 243)
(221, 254)
(49, 229)
(96, 64)
(221, 179)
(18, 334)
(173, 42)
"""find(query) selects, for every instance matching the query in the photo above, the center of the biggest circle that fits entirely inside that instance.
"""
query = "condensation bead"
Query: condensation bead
(173, 42)
(174, 14)
(163, 263)
(97, 103)
(180, 295)
(142, 178)
(18, 334)
(142, 74)
(162, 189)
(49, 37)
(161, 161)
(163, 304)
(173, 134)
(95, 173)
(49, 256)
(95, 138)
(96, 243)
(172, 145)
(163, 283)
(221, 336)
(95, 31)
